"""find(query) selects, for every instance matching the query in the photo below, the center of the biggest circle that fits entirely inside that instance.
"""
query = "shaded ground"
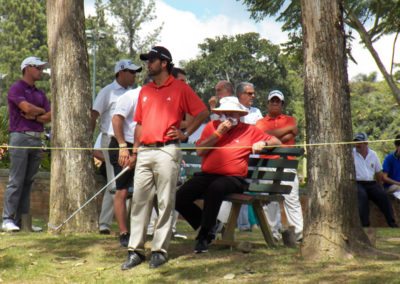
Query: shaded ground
(93, 258)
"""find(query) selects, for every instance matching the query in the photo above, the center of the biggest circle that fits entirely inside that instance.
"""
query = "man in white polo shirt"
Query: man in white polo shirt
(103, 107)
(121, 134)
(368, 171)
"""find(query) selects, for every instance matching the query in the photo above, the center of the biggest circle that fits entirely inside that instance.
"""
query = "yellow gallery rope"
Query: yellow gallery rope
(199, 148)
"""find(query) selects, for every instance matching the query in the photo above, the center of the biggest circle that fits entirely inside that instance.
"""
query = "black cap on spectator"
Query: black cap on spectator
(157, 52)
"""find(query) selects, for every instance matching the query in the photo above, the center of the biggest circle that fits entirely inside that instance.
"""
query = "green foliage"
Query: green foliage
(378, 17)
(124, 41)
(3, 124)
(375, 112)
(372, 77)
(382, 17)
(4, 162)
(107, 52)
(23, 33)
(244, 57)
(131, 16)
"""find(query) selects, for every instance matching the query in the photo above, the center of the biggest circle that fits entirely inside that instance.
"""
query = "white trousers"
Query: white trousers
(153, 220)
(107, 207)
(293, 211)
(156, 172)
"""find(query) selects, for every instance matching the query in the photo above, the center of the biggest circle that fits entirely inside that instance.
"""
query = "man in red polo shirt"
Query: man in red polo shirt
(284, 127)
(161, 106)
(223, 169)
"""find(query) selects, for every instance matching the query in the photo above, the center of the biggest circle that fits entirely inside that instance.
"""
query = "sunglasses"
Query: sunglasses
(130, 71)
(37, 67)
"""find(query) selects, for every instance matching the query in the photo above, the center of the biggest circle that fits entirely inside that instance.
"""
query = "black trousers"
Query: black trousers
(373, 191)
(212, 189)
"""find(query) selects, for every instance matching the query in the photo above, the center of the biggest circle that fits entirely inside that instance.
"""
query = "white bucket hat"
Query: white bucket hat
(231, 104)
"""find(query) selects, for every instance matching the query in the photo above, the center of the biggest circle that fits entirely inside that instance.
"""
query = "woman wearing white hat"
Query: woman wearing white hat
(223, 168)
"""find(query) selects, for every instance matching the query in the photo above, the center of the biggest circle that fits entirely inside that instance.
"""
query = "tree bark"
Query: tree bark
(366, 39)
(72, 174)
(332, 229)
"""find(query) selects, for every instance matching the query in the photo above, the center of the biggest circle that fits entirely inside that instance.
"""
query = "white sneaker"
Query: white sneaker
(36, 229)
(9, 226)
(104, 229)
(179, 236)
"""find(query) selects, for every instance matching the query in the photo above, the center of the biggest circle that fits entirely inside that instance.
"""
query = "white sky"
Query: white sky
(188, 22)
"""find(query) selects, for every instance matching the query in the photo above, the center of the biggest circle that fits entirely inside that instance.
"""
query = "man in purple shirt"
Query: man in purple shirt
(29, 109)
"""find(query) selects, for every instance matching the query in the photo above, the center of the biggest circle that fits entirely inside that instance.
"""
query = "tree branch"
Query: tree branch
(366, 39)
(393, 53)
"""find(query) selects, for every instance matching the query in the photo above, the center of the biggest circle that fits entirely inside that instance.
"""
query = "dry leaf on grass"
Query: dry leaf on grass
(229, 276)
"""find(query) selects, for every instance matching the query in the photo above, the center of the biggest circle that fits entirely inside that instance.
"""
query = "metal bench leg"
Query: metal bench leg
(265, 229)
(229, 233)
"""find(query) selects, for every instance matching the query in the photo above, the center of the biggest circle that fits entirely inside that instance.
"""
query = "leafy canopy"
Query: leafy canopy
(243, 57)
(23, 33)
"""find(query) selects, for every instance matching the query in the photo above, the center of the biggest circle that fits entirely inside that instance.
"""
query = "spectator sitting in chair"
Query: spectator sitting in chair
(223, 169)
(368, 171)
(391, 169)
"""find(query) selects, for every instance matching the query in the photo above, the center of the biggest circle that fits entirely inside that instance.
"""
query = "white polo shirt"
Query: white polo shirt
(105, 102)
(126, 107)
(251, 118)
(253, 115)
(366, 168)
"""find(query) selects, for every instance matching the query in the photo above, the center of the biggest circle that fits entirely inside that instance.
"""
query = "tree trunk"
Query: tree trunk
(72, 174)
(366, 39)
(333, 229)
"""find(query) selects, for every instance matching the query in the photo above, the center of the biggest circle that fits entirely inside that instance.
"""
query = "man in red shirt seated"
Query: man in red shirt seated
(223, 169)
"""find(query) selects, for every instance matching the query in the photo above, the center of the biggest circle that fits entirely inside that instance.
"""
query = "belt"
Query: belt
(366, 181)
(161, 144)
(33, 133)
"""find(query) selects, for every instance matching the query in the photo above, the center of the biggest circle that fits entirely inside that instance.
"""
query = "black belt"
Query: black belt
(161, 144)
(366, 182)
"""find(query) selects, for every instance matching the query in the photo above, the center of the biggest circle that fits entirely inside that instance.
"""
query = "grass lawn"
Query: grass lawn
(94, 258)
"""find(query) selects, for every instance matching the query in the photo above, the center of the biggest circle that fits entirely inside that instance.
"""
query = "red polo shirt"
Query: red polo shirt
(271, 123)
(232, 159)
(161, 107)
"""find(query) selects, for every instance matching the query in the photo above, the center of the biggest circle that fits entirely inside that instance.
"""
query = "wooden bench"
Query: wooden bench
(265, 179)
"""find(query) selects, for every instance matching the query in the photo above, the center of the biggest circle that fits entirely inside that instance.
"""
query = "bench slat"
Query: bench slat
(281, 176)
(192, 159)
(191, 171)
(249, 198)
(270, 188)
(277, 163)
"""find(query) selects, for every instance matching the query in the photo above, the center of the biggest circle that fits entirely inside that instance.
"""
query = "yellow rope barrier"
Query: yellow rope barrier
(191, 148)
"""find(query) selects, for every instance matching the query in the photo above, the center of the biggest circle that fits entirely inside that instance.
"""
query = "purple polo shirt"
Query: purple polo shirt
(21, 91)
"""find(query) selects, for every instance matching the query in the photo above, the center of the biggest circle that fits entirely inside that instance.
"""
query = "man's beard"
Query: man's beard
(155, 72)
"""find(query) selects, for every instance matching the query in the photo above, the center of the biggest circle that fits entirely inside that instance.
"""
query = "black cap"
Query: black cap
(157, 52)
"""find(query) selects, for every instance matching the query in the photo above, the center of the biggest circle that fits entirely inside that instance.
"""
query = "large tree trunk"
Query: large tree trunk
(72, 175)
(333, 227)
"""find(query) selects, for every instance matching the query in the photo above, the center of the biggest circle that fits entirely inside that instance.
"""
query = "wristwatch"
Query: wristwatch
(123, 145)
(186, 134)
